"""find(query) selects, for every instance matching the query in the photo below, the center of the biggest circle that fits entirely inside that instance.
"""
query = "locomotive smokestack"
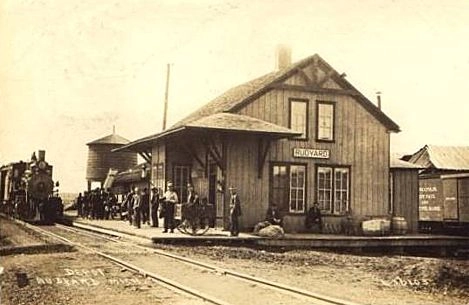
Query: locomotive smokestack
(42, 155)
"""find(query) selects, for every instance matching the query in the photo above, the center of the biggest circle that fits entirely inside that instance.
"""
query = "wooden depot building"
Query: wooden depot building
(295, 136)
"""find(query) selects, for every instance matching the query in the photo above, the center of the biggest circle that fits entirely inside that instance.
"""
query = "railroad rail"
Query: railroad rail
(314, 298)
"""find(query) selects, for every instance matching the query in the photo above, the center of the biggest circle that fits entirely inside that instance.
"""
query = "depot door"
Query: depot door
(181, 174)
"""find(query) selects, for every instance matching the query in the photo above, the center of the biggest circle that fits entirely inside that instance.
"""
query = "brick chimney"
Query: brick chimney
(283, 56)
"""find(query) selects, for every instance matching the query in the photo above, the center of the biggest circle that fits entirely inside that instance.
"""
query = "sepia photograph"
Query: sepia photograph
(234, 152)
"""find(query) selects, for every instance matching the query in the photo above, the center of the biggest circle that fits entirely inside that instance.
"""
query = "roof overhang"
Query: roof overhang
(226, 123)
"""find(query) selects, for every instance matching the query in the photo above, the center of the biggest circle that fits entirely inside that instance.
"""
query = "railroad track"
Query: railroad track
(305, 297)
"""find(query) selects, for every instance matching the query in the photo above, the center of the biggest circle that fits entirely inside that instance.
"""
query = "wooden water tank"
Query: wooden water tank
(101, 158)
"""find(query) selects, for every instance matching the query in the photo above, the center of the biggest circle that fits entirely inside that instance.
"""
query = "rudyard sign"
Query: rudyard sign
(311, 153)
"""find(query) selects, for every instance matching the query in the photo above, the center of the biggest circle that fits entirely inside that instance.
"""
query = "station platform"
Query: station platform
(420, 243)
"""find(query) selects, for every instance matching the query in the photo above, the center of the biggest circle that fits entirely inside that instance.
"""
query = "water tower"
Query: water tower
(101, 158)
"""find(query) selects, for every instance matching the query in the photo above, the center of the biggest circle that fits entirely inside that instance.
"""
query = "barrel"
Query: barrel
(376, 227)
(399, 225)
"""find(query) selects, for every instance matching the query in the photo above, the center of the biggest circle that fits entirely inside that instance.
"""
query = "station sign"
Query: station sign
(311, 153)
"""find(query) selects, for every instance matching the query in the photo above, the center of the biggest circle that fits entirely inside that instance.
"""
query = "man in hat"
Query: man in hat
(136, 203)
(129, 205)
(191, 209)
(273, 215)
(145, 206)
(170, 200)
(154, 205)
(313, 220)
(235, 211)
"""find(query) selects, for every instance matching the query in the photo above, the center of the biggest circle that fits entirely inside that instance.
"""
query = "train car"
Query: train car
(27, 190)
(444, 204)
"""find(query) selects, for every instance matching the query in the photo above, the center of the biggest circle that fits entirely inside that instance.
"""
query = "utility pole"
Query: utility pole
(165, 112)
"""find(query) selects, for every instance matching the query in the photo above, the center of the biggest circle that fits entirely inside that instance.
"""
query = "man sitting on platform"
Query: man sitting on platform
(313, 221)
(273, 215)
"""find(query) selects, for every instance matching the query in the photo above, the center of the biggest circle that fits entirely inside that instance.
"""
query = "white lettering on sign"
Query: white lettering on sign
(311, 153)
(428, 189)
(427, 196)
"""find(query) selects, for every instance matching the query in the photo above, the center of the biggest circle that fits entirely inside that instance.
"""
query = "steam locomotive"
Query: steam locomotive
(27, 191)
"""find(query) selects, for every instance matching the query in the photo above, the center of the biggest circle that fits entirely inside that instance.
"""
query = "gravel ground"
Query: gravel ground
(12, 234)
(364, 279)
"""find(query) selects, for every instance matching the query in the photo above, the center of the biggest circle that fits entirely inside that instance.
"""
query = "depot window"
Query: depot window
(298, 117)
(333, 189)
(325, 121)
(288, 184)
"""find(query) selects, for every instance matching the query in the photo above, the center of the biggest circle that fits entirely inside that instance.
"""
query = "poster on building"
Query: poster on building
(430, 198)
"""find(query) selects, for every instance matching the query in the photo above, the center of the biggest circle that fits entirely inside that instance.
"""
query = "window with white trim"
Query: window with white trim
(298, 117)
(333, 189)
(158, 176)
(297, 188)
(325, 127)
(288, 186)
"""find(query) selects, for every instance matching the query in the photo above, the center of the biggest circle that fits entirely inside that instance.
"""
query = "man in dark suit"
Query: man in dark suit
(155, 204)
(145, 206)
(235, 211)
(313, 220)
(273, 215)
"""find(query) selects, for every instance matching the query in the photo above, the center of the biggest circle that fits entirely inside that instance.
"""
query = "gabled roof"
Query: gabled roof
(398, 163)
(442, 157)
(110, 139)
(240, 95)
(235, 98)
(240, 123)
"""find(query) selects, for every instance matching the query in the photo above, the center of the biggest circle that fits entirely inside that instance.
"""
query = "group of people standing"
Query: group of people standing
(97, 204)
(139, 206)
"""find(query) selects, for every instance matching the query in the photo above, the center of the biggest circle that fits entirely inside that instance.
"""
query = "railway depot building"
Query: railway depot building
(299, 135)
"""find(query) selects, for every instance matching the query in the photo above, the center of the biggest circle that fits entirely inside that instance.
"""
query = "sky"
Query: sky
(71, 69)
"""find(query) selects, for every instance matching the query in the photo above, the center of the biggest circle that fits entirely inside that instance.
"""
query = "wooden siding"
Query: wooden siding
(101, 159)
(406, 196)
(361, 142)
(242, 173)
(158, 156)
(463, 199)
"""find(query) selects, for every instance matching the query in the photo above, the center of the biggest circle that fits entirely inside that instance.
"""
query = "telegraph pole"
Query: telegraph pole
(165, 111)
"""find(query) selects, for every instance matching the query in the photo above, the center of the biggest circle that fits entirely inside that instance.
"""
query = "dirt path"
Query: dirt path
(78, 279)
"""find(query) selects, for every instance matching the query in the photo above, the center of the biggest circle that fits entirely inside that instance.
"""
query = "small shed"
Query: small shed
(101, 158)
(444, 187)
(404, 192)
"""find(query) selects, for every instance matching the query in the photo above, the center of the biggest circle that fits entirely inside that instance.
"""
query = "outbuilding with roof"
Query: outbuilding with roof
(443, 188)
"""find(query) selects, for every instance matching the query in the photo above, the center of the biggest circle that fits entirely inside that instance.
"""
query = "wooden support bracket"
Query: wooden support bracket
(146, 156)
(262, 151)
(213, 153)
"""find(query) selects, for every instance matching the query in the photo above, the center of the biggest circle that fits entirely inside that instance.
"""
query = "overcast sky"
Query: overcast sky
(71, 69)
